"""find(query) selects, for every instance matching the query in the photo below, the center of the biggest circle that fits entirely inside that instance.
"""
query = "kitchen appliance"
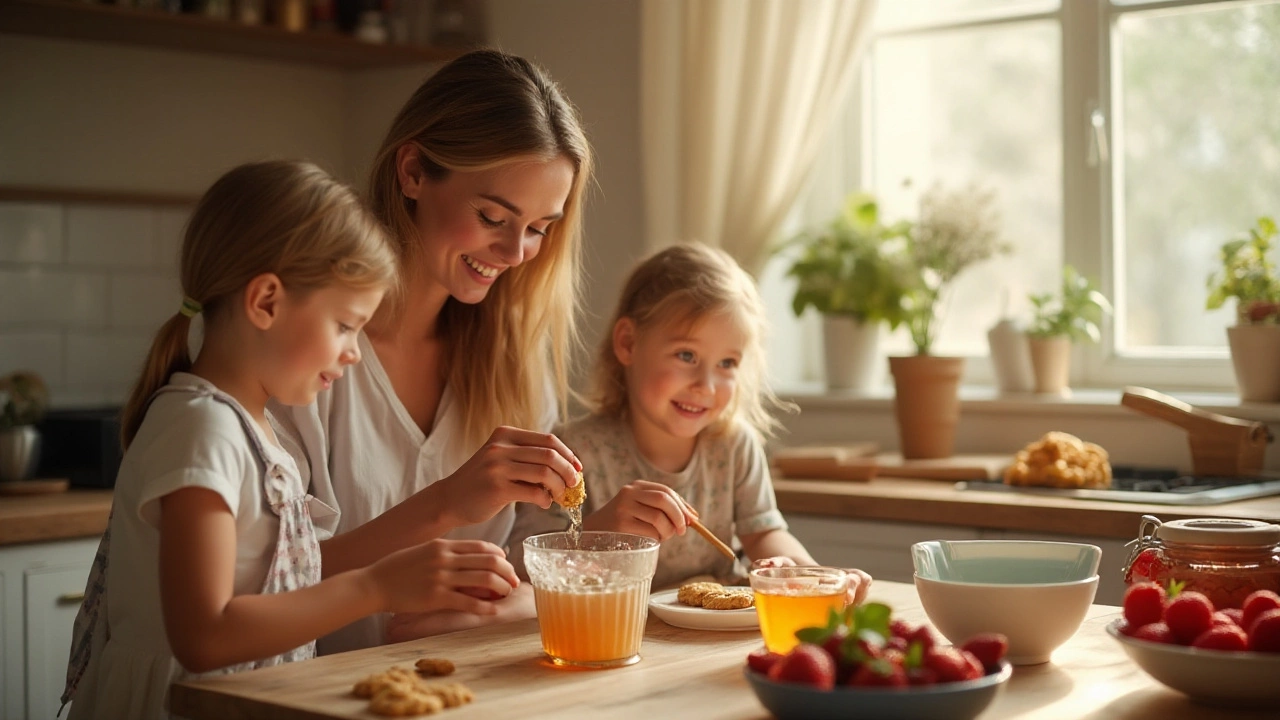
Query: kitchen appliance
(82, 445)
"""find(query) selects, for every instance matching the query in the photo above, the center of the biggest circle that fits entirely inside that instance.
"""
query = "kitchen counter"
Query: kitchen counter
(55, 516)
(938, 502)
(683, 674)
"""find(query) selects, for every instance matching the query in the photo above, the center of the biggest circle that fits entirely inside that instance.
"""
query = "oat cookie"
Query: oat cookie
(451, 694)
(574, 496)
(405, 700)
(692, 593)
(395, 677)
(726, 600)
(434, 667)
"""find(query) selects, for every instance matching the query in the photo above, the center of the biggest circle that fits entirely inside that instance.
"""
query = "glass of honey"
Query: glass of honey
(592, 595)
(790, 598)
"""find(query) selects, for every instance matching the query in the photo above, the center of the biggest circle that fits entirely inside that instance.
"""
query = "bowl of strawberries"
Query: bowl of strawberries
(1227, 657)
(865, 664)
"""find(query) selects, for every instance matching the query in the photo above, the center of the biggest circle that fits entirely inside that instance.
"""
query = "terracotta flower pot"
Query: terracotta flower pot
(1255, 355)
(1051, 361)
(851, 349)
(926, 402)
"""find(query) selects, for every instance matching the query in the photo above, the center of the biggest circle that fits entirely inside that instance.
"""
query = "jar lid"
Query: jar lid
(1219, 531)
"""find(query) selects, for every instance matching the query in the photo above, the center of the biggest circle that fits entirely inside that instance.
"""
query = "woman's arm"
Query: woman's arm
(409, 626)
(209, 626)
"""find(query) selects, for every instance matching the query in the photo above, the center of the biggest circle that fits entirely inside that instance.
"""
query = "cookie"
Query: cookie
(372, 685)
(574, 496)
(727, 600)
(693, 593)
(451, 694)
(434, 667)
(404, 701)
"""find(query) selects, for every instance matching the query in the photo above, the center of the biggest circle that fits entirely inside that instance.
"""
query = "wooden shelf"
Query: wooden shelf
(77, 20)
(78, 196)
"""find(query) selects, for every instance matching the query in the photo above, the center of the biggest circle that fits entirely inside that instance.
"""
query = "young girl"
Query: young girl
(680, 415)
(210, 562)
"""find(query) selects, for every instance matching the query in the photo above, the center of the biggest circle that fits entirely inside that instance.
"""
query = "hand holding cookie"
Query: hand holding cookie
(513, 465)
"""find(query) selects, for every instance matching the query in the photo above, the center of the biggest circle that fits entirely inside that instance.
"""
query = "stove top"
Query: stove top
(1160, 486)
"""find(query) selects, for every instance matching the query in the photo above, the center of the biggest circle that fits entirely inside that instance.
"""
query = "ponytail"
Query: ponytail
(168, 355)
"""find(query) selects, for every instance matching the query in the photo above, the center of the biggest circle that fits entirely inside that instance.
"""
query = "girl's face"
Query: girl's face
(477, 225)
(314, 339)
(680, 379)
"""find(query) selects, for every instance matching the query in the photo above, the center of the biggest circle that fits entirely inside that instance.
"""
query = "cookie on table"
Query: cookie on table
(728, 599)
(404, 701)
(434, 667)
(395, 677)
(693, 593)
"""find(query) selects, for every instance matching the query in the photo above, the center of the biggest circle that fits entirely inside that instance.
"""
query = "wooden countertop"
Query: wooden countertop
(683, 674)
(938, 502)
(56, 516)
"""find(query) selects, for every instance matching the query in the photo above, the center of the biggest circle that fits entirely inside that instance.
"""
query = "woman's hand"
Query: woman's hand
(518, 605)
(463, 575)
(514, 465)
(643, 508)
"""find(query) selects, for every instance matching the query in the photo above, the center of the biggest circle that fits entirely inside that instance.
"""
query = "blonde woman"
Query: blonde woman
(444, 425)
(210, 563)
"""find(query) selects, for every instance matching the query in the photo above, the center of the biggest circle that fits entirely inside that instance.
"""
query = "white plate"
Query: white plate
(673, 612)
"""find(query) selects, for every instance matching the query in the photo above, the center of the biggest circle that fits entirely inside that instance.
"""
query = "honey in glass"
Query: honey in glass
(791, 598)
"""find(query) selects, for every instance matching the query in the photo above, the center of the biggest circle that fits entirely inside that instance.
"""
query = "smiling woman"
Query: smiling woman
(442, 428)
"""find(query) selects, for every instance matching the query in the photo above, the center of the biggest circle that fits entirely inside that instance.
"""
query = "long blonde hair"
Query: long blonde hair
(484, 110)
(681, 286)
(282, 217)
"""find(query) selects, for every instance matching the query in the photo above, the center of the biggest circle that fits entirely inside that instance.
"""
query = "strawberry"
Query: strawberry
(900, 628)
(1222, 619)
(806, 664)
(1155, 632)
(975, 665)
(1257, 603)
(921, 676)
(1222, 637)
(1188, 615)
(833, 641)
(1144, 604)
(879, 673)
(948, 663)
(1235, 614)
(924, 636)
(989, 648)
(1126, 628)
(761, 659)
(1145, 568)
(897, 643)
(1264, 633)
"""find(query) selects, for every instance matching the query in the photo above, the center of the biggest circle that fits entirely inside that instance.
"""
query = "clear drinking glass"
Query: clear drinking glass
(790, 598)
(592, 596)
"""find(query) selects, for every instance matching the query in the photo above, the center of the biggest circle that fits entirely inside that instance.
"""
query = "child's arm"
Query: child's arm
(642, 508)
(209, 626)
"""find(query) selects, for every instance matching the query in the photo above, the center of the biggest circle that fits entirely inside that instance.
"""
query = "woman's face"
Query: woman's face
(477, 225)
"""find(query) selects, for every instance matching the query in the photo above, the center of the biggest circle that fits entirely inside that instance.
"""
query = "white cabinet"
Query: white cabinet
(40, 587)
(884, 548)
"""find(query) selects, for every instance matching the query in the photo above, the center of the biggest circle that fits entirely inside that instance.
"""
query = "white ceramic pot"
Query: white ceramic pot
(1255, 355)
(19, 452)
(851, 349)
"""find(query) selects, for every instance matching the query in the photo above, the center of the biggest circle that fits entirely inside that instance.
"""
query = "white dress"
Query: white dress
(192, 436)
(363, 454)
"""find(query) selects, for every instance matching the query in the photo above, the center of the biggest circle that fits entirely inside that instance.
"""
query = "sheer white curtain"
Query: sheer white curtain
(737, 97)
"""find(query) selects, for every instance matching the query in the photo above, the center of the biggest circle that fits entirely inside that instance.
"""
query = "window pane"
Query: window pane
(899, 13)
(977, 105)
(1201, 161)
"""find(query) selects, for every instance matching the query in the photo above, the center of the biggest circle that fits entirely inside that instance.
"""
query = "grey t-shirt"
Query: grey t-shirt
(727, 481)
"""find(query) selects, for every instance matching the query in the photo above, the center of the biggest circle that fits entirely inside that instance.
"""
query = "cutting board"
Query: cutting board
(854, 461)
(954, 468)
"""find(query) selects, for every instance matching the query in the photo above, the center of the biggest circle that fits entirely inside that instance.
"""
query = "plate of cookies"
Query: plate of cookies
(706, 606)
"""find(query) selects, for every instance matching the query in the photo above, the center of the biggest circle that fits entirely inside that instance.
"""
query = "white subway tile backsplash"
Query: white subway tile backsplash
(115, 237)
(143, 301)
(40, 296)
(105, 360)
(169, 226)
(31, 233)
(39, 351)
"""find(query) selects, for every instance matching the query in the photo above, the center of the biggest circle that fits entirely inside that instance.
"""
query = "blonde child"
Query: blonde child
(681, 410)
(210, 562)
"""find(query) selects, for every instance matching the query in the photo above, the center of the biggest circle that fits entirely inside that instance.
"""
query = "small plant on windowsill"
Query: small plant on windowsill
(854, 271)
(1249, 276)
(1072, 316)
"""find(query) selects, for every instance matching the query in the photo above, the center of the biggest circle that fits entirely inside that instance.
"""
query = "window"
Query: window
(1128, 138)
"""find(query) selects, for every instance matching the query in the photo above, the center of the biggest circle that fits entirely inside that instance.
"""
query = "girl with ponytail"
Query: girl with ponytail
(210, 562)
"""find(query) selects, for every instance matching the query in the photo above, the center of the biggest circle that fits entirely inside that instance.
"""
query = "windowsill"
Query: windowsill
(978, 399)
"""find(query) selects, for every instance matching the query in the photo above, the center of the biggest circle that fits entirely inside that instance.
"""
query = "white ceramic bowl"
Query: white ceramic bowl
(1035, 593)
(1212, 677)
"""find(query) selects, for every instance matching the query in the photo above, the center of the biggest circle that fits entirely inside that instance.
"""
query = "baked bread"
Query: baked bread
(1060, 460)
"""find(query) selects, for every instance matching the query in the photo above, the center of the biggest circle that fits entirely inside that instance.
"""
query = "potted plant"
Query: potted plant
(853, 272)
(1058, 322)
(1249, 276)
(955, 230)
(24, 399)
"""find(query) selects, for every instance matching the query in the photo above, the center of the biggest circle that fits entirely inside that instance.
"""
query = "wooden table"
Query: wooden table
(938, 502)
(684, 674)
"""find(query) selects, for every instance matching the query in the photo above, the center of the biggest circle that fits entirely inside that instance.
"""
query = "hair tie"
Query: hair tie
(190, 308)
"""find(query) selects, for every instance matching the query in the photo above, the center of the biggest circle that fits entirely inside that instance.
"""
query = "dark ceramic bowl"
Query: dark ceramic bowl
(949, 701)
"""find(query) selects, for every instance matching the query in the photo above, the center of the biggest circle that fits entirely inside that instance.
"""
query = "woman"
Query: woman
(480, 180)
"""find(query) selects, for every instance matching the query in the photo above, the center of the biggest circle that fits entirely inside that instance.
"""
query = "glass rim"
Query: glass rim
(647, 544)
(799, 571)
